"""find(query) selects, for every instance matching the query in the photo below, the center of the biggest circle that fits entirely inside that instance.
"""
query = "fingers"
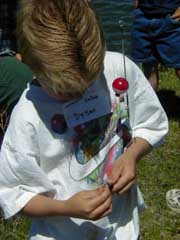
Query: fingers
(103, 209)
(97, 193)
(124, 188)
(125, 180)
(115, 175)
(100, 203)
(123, 175)
(103, 194)
(90, 205)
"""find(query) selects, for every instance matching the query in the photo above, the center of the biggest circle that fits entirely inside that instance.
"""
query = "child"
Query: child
(156, 36)
(57, 158)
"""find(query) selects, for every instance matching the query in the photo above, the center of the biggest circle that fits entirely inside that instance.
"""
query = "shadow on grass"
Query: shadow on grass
(171, 103)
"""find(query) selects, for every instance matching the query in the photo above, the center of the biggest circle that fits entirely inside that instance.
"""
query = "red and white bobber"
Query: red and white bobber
(120, 86)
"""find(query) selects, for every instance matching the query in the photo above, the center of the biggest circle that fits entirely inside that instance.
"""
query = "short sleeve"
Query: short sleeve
(148, 119)
(21, 177)
(147, 116)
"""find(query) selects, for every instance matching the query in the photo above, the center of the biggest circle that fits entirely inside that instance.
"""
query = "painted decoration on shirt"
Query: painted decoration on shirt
(90, 138)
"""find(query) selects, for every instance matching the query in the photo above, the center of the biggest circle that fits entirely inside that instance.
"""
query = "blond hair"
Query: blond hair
(62, 42)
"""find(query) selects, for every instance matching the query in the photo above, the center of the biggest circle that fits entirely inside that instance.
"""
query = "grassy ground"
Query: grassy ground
(158, 172)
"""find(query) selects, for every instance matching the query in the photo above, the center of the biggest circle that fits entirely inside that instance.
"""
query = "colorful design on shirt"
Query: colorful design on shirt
(90, 138)
(113, 154)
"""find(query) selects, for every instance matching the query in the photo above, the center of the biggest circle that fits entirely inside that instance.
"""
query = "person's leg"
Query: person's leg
(178, 72)
(151, 73)
(168, 44)
(143, 46)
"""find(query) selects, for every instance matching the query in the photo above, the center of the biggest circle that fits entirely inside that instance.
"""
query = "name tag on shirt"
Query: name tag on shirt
(91, 106)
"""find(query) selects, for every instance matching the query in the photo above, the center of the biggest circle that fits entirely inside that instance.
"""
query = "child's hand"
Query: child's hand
(123, 175)
(91, 205)
(176, 14)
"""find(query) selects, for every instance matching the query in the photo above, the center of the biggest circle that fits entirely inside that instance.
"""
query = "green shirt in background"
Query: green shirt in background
(14, 77)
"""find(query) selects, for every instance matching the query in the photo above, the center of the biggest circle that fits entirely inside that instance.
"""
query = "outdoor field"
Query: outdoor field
(157, 173)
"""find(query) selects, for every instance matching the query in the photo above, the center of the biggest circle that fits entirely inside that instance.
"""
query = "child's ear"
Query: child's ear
(19, 57)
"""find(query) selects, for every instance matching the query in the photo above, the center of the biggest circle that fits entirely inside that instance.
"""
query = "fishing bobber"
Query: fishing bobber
(120, 86)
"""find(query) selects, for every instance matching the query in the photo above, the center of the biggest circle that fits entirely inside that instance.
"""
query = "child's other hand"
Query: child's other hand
(123, 175)
(91, 205)
(176, 14)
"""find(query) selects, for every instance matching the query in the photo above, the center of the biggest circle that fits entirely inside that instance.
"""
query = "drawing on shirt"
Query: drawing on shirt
(90, 138)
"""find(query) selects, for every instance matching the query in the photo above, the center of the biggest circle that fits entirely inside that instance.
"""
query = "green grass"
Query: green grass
(14, 229)
(158, 172)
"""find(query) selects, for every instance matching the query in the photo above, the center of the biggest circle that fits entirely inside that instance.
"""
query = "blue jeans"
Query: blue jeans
(156, 40)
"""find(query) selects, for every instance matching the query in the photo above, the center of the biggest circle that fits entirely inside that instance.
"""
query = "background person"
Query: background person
(14, 75)
(156, 36)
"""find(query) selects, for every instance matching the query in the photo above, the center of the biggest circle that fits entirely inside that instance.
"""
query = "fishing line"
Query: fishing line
(121, 25)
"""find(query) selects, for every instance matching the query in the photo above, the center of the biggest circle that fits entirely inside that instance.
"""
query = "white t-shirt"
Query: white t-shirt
(42, 155)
